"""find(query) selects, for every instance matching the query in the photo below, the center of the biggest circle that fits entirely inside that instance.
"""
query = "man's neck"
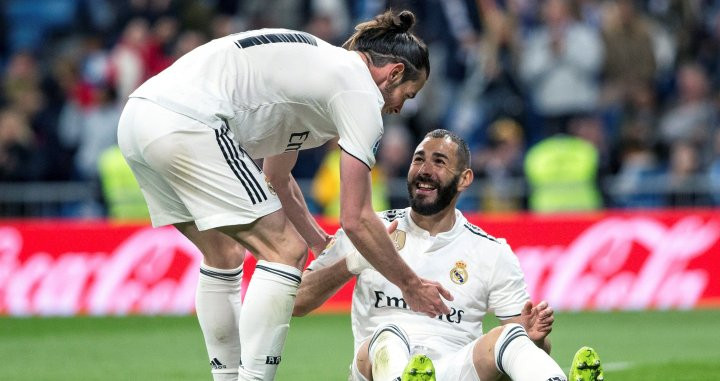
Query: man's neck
(377, 74)
(437, 223)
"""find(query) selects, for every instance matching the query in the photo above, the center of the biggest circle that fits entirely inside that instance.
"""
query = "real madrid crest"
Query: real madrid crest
(398, 239)
(269, 186)
(459, 273)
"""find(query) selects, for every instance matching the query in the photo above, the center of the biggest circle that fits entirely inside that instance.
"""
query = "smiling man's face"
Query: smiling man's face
(433, 176)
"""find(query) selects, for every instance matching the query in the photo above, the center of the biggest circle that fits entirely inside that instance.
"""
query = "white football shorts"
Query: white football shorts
(454, 366)
(189, 171)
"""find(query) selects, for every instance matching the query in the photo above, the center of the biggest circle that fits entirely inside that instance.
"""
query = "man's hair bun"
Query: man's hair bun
(405, 21)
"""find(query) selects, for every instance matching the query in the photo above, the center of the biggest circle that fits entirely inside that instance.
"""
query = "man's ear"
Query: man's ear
(466, 178)
(396, 72)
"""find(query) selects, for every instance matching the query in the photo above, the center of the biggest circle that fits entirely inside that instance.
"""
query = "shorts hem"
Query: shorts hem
(230, 219)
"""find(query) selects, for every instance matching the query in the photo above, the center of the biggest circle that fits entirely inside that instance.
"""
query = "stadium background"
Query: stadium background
(610, 106)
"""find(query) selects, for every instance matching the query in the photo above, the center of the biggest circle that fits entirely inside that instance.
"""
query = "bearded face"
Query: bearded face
(429, 196)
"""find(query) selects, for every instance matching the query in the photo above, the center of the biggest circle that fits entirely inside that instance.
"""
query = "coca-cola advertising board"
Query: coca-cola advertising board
(608, 260)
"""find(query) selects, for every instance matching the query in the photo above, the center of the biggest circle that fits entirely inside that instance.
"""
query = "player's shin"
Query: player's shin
(518, 357)
(389, 352)
(218, 304)
(265, 319)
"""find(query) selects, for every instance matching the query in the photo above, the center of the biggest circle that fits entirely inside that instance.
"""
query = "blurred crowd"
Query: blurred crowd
(566, 104)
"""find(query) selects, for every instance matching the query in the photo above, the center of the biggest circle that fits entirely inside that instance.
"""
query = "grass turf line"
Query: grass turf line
(671, 345)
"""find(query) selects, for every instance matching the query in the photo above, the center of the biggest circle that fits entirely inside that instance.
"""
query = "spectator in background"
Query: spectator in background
(121, 193)
(693, 115)
(491, 90)
(18, 151)
(635, 185)
(629, 66)
(94, 131)
(684, 173)
(163, 34)
(629, 56)
(714, 170)
(562, 174)
(129, 57)
(560, 65)
(187, 41)
(500, 163)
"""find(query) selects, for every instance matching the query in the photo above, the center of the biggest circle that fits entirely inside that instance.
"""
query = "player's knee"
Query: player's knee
(290, 251)
(226, 255)
(484, 355)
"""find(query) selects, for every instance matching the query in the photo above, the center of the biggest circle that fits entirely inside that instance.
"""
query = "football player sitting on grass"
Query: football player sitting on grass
(482, 273)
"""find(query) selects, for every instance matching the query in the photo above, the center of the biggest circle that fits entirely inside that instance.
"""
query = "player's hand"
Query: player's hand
(392, 227)
(426, 298)
(320, 247)
(538, 320)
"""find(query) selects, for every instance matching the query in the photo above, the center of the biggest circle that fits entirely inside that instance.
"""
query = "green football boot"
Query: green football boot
(586, 366)
(419, 368)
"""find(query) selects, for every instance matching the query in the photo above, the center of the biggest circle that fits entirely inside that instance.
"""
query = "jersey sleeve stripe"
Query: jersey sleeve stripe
(506, 316)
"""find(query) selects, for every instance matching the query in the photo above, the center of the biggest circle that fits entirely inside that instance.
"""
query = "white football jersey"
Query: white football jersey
(481, 272)
(277, 90)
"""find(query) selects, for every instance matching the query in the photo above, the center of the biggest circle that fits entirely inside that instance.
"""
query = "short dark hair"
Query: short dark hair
(463, 152)
(387, 39)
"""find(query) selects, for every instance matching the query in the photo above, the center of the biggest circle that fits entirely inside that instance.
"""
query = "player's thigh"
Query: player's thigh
(457, 366)
(272, 238)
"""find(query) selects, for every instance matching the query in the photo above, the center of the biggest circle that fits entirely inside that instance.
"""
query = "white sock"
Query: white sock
(518, 357)
(389, 352)
(218, 304)
(265, 319)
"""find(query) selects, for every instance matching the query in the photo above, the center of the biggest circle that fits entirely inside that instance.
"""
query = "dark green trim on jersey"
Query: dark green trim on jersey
(479, 232)
(393, 214)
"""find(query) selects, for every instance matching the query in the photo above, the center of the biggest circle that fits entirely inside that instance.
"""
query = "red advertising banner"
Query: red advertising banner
(609, 260)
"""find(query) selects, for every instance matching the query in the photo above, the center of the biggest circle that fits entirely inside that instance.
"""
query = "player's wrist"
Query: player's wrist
(410, 283)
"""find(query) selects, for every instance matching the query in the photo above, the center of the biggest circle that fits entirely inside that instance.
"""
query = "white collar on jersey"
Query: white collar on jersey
(441, 239)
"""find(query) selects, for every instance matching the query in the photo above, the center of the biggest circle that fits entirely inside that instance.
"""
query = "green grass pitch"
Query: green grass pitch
(671, 345)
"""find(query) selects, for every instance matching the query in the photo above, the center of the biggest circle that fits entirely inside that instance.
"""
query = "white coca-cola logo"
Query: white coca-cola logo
(134, 277)
(596, 269)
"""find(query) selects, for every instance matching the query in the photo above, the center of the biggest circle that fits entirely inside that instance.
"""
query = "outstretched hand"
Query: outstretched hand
(319, 248)
(538, 320)
(425, 298)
